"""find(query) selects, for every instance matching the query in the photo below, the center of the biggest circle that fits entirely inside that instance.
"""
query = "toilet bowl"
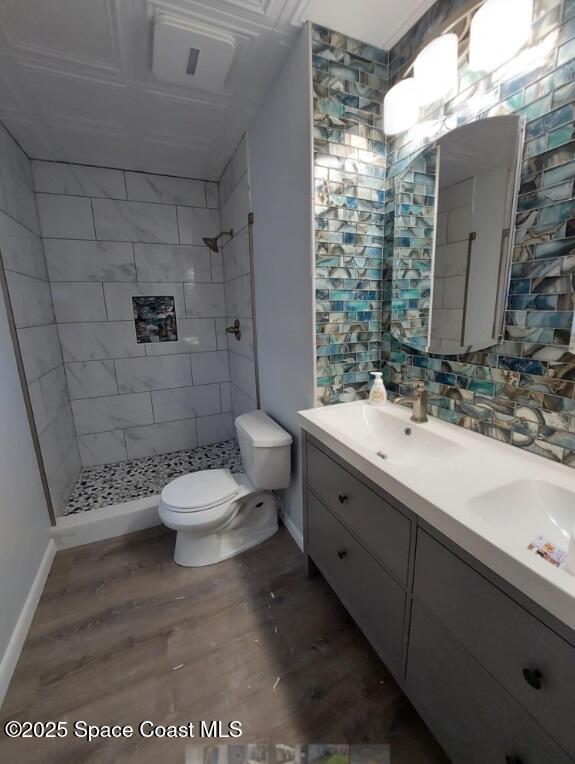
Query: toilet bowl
(218, 514)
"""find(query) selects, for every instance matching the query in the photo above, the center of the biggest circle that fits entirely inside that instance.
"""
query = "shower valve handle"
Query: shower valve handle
(235, 329)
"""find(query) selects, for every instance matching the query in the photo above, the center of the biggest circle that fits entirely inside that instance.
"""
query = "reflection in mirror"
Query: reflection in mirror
(414, 227)
(454, 209)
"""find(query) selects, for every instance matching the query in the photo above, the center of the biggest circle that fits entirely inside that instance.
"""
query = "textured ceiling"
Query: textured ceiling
(76, 82)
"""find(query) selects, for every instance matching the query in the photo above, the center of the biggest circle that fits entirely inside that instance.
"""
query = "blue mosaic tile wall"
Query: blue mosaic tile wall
(523, 390)
(349, 82)
(410, 230)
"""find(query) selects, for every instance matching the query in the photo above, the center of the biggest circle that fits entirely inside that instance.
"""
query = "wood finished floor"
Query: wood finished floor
(122, 634)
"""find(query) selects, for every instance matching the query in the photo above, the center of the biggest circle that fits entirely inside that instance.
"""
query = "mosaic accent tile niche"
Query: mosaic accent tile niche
(349, 82)
(521, 391)
(155, 319)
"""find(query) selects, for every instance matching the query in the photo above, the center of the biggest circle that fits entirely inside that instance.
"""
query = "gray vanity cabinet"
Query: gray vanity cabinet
(492, 673)
(362, 545)
(375, 601)
(530, 660)
(472, 717)
(384, 530)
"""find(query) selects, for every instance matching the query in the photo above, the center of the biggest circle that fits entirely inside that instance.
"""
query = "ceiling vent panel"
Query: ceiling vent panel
(191, 54)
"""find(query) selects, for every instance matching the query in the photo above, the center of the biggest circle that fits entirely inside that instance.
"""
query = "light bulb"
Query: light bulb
(401, 107)
(498, 30)
(435, 68)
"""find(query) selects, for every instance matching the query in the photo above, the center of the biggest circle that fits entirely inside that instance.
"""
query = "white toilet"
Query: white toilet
(218, 514)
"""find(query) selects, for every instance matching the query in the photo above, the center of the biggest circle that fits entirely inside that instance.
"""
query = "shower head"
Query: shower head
(212, 241)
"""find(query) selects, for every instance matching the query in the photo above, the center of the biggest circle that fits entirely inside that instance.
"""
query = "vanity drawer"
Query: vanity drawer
(510, 642)
(372, 597)
(384, 530)
(473, 718)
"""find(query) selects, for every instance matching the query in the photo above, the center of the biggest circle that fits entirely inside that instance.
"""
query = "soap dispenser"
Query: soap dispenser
(377, 394)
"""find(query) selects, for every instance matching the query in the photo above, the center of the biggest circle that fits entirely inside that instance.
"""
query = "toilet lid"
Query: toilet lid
(200, 490)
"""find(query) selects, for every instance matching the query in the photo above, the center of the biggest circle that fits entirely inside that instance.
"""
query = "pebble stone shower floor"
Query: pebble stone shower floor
(110, 484)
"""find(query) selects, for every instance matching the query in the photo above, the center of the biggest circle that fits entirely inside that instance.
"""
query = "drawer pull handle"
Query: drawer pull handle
(342, 498)
(342, 554)
(533, 678)
(513, 760)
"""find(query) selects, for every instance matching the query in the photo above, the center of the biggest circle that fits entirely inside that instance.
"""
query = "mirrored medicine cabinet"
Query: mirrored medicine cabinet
(454, 209)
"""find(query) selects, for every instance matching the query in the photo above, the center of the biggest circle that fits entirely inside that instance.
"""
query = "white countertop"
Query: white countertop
(443, 492)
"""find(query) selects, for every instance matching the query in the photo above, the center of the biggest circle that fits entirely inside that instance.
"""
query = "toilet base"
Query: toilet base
(252, 525)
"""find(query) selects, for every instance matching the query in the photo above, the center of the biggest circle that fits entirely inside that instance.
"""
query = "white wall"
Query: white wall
(24, 526)
(235, 209)
(280, 166)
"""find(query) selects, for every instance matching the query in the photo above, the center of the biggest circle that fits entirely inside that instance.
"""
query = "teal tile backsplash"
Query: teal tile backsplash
(349, 82)
(521, 391)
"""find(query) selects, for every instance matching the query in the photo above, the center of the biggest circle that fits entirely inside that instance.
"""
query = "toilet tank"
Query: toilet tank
(266, 450)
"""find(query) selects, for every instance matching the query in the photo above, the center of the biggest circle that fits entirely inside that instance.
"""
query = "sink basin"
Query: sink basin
(525, 509)
(390, 436)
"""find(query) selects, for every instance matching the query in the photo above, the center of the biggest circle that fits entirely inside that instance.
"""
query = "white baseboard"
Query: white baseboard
(293, 530)
(106, 522)
(16, 643)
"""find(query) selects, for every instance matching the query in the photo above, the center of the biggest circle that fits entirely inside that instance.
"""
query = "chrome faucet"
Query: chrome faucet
(419, 402)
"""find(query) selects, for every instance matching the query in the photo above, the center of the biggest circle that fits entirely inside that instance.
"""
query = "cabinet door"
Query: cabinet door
(471, 715)
(372, 597)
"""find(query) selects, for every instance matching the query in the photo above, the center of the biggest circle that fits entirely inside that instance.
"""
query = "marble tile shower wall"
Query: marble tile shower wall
(25, 266)
(110, 235)
(349, 82)
(235, 208)
(523, 390)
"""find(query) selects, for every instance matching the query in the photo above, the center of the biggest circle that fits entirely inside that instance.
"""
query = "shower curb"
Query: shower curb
(106, 522)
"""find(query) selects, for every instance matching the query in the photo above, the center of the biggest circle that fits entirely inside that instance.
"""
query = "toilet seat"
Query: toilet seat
(200, 491)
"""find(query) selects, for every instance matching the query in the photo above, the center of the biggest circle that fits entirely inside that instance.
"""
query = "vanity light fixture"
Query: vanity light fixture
(498, 30)
(401, 107)
(435, 68)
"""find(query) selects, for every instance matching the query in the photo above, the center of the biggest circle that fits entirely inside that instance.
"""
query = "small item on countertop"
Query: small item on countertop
(549, 551)
(378, 393)
(570, 560)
